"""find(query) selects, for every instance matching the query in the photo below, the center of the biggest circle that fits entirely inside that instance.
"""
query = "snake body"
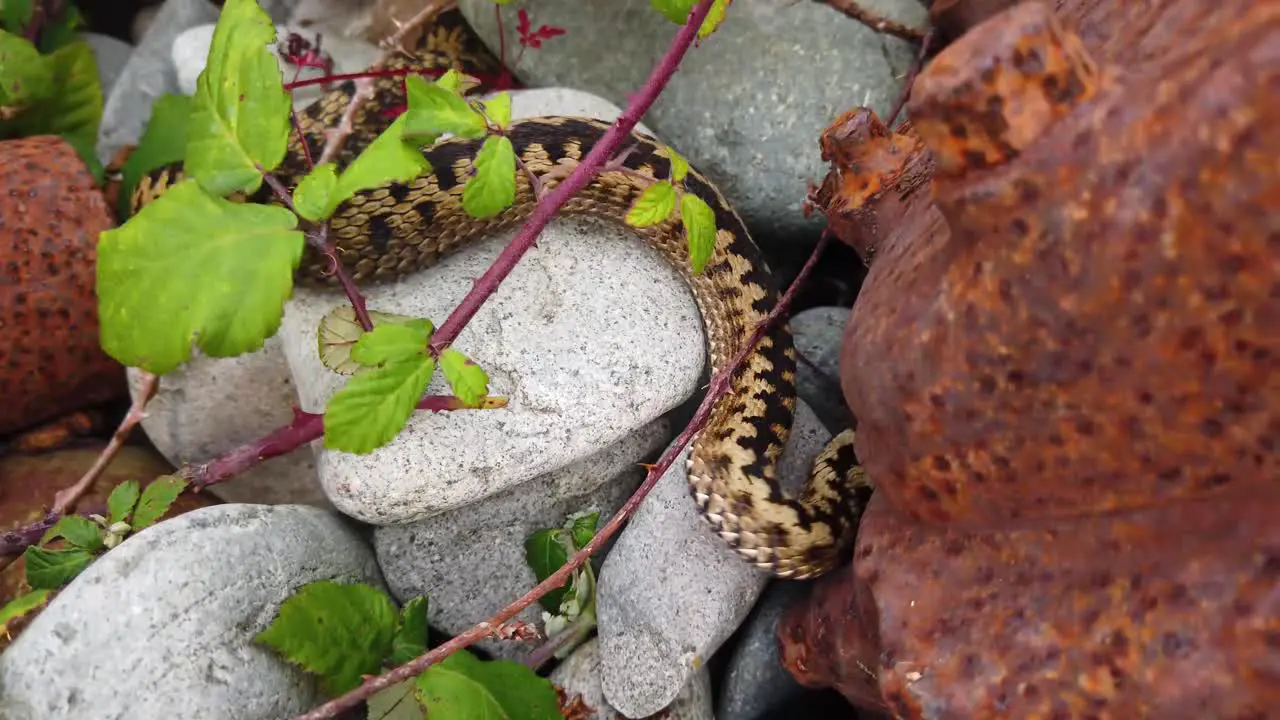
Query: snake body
(392, 231)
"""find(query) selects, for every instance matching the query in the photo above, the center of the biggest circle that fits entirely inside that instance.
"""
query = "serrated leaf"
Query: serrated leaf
(121, 501)
(374, 405)
(51, 569)
(700, 229)
(392, 342)
(583, 529)
(677, 11)
(314, 192)
(74, 111)
(220, 270)
(21, 605)
(434, 110)
(498, 108)
(26, 76)
(339, 632)
(715, 16)
(240, 112)
(389, 158)
(463, 687)
(493, 188)
(395, 703)
(163, 142)
(79, 531)
(469, 381)
(411, 638)
(679, 166)
(156, 499)
(14, 16)
(544, 552)
(338, 333)
(655, 204)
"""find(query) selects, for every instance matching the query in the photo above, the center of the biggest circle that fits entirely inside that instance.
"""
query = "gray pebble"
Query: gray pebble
(819, 333)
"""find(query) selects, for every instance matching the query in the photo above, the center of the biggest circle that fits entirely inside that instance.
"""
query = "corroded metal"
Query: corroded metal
(1068, 390)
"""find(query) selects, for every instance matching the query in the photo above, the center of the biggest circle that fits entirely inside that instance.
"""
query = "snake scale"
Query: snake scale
(392, 231)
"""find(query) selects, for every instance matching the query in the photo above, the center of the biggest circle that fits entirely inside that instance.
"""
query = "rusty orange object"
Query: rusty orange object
(50, 217)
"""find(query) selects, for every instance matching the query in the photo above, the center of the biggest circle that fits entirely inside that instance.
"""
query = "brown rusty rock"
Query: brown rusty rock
(50, 217)
(1101, 329)
(1171, 612)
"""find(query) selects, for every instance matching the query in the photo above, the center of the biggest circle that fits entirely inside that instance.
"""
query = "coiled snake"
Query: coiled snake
(395, 230)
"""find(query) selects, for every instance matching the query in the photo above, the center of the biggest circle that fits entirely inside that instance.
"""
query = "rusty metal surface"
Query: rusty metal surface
(1067, 390)
(50, 217)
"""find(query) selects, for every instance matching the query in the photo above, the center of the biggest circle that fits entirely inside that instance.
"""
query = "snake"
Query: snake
(387, 233)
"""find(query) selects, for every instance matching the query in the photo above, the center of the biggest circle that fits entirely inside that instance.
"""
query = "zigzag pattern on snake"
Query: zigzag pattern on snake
(392, 231)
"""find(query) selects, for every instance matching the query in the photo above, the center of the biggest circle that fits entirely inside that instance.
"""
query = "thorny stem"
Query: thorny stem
(874, 21)
(577, 180)
(910, 80)
(67, 497)
(719, 384)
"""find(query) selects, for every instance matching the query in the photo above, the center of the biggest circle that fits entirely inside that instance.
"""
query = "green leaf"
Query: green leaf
(20, 606)
(14, 16)
(493, 188)
(677, 11)
(51, 569)
(545, 553)
(79, 531)
(121, 501)
(240, 112)
(61, 31)
(411, 638)
(26, 76)
(339, 331)
(583, 529)
(498, 108)
(164, 142)
(74, 111)
(314, 192)
(339, 632)
(700, 229)
(395, 703)
(462, 687)
(156, 500)
(679, 166)
(655, 204)
(435, 109)
(375, 404)
(392, 342)
(714, 17)
(220, 270)
(389, 158)
(468, 380)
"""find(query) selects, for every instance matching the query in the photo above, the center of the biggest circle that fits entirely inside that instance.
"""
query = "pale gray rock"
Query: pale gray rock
(162, 626)
(111, 54)
(671, 591)
(148, 74)
(592, 336)
(209, 406)
(580, 674)
(818, 333)
(470, 562)
(747, 106)
(755, 682)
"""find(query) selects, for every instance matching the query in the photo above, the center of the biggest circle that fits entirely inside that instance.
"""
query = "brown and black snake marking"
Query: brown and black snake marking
(395, 230)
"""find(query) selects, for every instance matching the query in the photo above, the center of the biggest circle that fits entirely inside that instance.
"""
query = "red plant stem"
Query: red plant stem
(719, 384)
(577, 180)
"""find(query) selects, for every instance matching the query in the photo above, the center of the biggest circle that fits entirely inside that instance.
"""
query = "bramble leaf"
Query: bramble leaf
(220, 270)
(545, 553)
(389, 158)
(339, 632)
(51, 569)
(498, 108)
(339, 331)
(375, 404)
(14, 16)
(395, 703)
(677, 11)
(156, 500)
(655, 204)
(469, 381)
(240, 111)
(26, 76)
(679, 166)
(583, 528)
(392, 342)
(163, 142)
(434, 109)
(73, 111)
(411, 638)
(21, 605)
(464, 687)
(121, 501)
(715, 16)
(61, 30)
(79, 531)
(700, 229)
(314, 192)
(493, 188)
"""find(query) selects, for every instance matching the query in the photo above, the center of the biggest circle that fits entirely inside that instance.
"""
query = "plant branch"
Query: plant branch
(717, 387)
(910, 80)
(874, 21)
